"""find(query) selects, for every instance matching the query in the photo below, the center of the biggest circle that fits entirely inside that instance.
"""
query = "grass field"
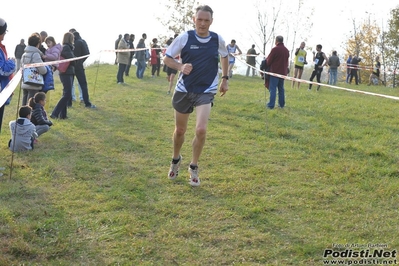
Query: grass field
(278, 187)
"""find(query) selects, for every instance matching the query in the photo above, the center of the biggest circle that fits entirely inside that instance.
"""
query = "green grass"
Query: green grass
(278, 187)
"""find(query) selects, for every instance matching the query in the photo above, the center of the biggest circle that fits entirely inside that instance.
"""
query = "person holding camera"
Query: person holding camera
(300, 62)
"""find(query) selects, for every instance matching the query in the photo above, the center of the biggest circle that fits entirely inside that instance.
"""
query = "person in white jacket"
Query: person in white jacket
(23, 131)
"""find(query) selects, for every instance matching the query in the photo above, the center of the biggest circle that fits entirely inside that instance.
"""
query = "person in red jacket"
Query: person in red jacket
(155, 58)
(277, 63)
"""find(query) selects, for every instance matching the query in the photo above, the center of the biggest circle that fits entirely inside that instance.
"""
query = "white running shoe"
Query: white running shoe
(174, 169)
(194, 179)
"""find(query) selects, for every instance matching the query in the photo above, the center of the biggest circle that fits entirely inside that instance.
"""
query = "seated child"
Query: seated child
(23, 132)
(39, 115)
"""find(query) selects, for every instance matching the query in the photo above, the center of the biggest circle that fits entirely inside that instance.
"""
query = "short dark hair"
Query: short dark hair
(205, 8)
(279, 39)
(319, 46)
(34, 40)
(24, 111)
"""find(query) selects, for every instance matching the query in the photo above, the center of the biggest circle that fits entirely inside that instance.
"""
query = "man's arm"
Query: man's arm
(224, 86)
(172, 63)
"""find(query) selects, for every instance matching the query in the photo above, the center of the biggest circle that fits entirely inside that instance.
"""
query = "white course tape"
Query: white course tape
(9, 89)
(321, 84)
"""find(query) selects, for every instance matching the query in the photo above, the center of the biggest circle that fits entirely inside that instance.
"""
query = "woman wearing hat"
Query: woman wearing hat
(7, 66)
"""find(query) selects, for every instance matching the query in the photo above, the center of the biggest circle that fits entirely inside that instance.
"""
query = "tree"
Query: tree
(297, 18)
(266, 23)
(178, 16)
(364, 44)
(270, 20)
(391, 45)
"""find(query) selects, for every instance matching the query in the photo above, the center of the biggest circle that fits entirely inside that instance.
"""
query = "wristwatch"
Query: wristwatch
(225, 77)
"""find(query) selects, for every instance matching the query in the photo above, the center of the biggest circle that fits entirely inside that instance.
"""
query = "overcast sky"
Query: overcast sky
(100, 25)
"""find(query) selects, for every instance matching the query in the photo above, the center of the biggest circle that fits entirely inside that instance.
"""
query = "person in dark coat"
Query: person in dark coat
(39, 115)
(131, 46)
(19, 51)
(60, 110)
(355, 65)
(81, 49)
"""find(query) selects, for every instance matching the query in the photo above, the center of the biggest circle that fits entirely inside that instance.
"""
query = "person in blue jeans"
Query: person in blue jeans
(333, 63)
(277, 62)
(74, 94)
(141, 57)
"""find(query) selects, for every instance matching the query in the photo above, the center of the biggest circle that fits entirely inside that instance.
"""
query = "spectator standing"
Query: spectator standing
(116, 47)
(299, 62)
(168, 42)
(43, 36)
(251, 60)
(277, 62)
(123, 58)
(354, 69)
(348, 68)
(81, 49)
(155, 58)
(333, 63)
(232, 48)
(141, 57)
(171, 72)
(131, 46)
(7, 66)
(73, 85)
(320, 60)
(32, 55)
(19, 51)
(60, 110)
(52, 54)
(197, 85)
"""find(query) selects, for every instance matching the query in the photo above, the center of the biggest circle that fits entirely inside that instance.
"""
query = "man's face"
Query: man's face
(203, 21)
(302, 45)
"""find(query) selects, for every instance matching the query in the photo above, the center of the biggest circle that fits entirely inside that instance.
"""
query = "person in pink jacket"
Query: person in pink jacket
(53, 52)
